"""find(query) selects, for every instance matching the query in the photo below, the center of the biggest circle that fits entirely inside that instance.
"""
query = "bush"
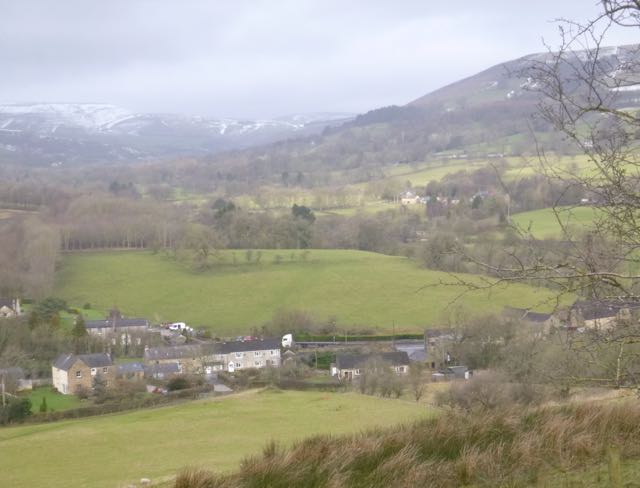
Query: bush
(17, 410)
(178, 383)
(490, 392)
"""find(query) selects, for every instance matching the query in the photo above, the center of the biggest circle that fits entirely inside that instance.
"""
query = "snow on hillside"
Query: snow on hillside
(91, 116)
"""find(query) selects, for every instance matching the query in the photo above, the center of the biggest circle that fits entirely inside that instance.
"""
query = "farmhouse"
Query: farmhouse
(539, 323)
(10, 307)
(602, 314)
(116, 325)
(230, 356)
(71, 372)
(349, 365)
(189, 358)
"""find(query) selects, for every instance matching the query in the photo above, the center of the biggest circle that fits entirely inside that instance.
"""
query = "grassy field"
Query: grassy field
(55, 401)
(544, 223)
(118, 449)
(357, 288)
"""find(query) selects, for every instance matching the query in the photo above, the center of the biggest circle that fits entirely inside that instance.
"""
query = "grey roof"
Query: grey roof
(525, 314)
(165, 369)
(246, 346)
(109, 323)
(350, 361)
(418, 355)
(8, 302)
(128, 368)
(600, 309)
(97, 360)
(173, 352)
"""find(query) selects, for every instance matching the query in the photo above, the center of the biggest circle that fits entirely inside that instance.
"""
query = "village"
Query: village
(173, 351)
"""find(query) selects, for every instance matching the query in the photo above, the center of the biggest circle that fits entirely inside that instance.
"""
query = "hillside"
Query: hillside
(121, 449)
(63, 134)
(518, 447)
(357, 289)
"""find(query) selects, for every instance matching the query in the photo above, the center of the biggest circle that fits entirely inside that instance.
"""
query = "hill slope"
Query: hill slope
(357, 288)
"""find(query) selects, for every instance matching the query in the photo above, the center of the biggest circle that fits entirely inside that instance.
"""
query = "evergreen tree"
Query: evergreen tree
(43, 405)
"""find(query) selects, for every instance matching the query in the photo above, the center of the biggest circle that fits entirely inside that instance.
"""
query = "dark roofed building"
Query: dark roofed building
(256, 353)
(602, 314)
(10, 307)
(130, 371)
(71, 372)
(104, 327)
(161, 371)
(349, 365)
(540, 323)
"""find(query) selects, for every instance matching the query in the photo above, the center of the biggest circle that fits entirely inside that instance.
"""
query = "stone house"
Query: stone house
(348, 366)
(602, 314)
(538, 323)
(257, 353)
(190, 359)
(71, 372)
(10, 307)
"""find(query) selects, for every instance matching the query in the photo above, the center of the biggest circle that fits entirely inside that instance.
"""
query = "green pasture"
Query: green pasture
(545, 223)
(217, 434)
(360, 289)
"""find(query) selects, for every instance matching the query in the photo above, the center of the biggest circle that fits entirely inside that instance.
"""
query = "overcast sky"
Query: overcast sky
(260, 59)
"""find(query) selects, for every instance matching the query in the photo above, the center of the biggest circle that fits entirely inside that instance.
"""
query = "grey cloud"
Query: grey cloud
(260, 58)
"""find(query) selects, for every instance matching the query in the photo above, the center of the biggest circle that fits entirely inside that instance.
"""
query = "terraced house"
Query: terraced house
(72, 372)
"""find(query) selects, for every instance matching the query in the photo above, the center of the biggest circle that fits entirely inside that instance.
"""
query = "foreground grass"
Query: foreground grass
(357, 288)
(114, 450)
(513, 447)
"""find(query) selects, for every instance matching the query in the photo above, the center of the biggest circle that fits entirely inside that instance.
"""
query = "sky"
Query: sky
(263, 58)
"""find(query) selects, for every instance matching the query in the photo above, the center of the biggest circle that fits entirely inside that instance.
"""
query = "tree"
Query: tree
(43, 405)
(416, 381)
(79, 333)
(585, 90)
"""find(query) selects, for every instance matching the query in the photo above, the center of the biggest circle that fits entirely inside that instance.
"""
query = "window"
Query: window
(257, 353)
(93, 371)
(357, 371)
(257, 363)
(105, 369)
(78, 374)
(238, 365)
(238, 354)
(273, 352)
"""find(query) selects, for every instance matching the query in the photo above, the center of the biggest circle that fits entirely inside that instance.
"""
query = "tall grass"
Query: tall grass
(506, 447)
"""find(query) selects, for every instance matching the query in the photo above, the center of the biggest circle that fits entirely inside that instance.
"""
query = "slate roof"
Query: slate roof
(163, 370)
(351, 361)
(600, 309)
(108, 323)
(97, 360)
(129, 368)
(524, 314)
(173, 352)
(247, 346)
(7, 302)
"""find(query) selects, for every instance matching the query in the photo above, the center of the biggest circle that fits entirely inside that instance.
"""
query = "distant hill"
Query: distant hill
(77, 133)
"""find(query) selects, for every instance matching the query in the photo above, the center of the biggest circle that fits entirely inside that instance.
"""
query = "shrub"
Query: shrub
(178, 383)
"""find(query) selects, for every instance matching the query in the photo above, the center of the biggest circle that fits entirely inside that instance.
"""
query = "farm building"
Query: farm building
(72, 372)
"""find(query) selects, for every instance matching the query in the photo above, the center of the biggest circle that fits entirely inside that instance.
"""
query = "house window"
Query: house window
(357, 372)
(273, 352)
(257, 353)
(238, 365)
(105, 369)
(238, 354)
(78, 374)
(93, 371)
(257, 363)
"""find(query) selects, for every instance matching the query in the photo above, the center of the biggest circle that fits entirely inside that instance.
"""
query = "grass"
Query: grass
(506, 447)
(357, 288)
(115, 450)
(55, 401)
(544, 223)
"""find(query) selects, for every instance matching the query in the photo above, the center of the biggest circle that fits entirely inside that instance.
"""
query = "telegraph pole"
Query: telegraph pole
(4, 401)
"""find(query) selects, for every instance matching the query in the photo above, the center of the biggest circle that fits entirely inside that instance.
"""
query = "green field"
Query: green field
(545, 223)
(119, 449)
(357, 288)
